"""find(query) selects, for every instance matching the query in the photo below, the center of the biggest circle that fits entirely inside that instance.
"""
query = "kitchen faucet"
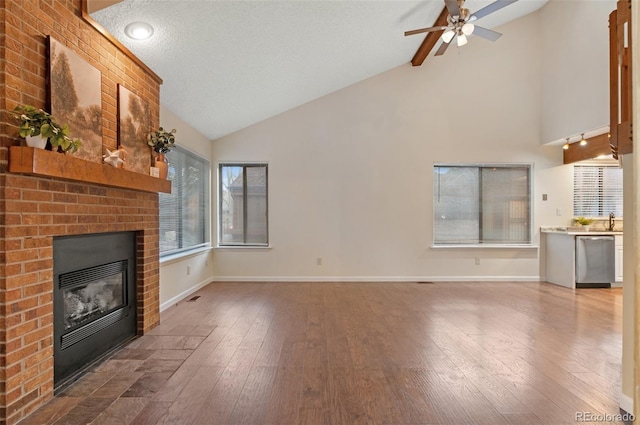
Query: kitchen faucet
(612, 221)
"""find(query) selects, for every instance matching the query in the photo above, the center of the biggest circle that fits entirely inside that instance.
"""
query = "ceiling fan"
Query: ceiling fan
(460, 24)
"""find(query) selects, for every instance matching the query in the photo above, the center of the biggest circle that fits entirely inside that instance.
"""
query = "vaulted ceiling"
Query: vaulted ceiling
(229, 64)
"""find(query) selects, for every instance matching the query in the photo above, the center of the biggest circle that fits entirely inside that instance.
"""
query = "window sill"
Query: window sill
(243, 247)
(169, 259)
(485, 246)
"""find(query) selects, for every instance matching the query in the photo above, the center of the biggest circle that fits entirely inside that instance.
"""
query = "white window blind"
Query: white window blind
(481, 204)
(243, 210)
(184, 212)
(597, 190)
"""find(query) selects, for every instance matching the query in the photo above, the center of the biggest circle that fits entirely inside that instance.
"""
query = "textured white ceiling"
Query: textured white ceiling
(229, 64)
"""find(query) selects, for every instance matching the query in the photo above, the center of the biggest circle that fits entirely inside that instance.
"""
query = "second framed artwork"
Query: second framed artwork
(133, 127)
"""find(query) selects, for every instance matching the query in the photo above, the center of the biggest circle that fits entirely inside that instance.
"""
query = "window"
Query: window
(485, 204)
(243, 212)
(184, 212)
(597, 190)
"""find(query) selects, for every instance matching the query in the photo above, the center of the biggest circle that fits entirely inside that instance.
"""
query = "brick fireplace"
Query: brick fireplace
(36, 210)
(63, 196)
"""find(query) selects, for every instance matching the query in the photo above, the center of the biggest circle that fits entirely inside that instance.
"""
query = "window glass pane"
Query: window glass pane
(482, 204)
(183, 218)
(243, 204)
(231, 208)
(193, 201)
(597, 191)
(257, 205)
(456, 205)
(505, 205)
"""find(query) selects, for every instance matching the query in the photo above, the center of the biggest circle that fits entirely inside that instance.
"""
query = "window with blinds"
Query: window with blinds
(597, 190)
(483, 204)
(184, 212)
(243, 209)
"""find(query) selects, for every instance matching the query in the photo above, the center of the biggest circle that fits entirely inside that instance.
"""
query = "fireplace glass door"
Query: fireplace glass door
(94, 300)
(91, 294)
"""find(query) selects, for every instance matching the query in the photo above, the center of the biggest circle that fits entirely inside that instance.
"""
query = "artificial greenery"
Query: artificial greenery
(37, 122)
(162, 141)
(583, 220)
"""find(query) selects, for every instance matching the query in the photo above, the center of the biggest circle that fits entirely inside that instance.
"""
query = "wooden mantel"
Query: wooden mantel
(40, 162)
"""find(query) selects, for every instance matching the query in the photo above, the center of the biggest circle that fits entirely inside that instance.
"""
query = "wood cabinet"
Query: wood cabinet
(620, 79)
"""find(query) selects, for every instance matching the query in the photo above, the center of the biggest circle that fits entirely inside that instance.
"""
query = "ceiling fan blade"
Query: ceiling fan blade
(443, 48)
(422, 30)
(486, 33)
(493, 7)
(452, 7)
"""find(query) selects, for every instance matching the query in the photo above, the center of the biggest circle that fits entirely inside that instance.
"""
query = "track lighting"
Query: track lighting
(566, 144)
(583, 141)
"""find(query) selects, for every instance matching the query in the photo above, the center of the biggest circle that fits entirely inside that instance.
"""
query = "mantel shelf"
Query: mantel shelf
(40, 162)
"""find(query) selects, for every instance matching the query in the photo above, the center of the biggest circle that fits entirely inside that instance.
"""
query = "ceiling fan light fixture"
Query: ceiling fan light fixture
(447, 36)
(467, 29)
(461, 39)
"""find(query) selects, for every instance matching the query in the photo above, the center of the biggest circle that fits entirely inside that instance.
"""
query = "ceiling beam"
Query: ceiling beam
(596, 146)
(430, 40)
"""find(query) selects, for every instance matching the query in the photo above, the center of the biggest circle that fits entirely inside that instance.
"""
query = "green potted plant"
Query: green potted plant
(583, 221)
(37, 126)
(162, 141)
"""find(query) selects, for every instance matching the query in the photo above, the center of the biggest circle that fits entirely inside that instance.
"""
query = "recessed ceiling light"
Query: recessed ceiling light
(138, 30)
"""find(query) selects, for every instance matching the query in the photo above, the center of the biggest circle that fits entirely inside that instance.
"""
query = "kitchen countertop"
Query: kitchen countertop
(572, 231)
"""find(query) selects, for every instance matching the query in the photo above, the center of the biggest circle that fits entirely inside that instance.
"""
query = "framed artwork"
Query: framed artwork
(133, 128)
(76, 98)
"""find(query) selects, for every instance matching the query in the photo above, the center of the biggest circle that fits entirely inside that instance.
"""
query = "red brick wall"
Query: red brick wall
(33, 209)
(23, 44)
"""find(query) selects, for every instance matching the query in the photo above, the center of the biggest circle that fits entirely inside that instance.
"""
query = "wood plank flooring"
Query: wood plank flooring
(450, 353)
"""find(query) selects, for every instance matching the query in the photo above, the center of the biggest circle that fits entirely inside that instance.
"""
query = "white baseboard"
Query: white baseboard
(626, 403)
(181, 296)
(376, 278)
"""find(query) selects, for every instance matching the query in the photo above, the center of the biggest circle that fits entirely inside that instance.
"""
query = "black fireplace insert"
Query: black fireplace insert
(94, 299)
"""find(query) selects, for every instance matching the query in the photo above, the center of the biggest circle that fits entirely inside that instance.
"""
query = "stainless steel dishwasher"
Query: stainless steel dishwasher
(595, 261)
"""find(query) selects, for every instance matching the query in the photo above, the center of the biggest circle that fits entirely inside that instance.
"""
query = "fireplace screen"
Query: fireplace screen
(92, 293)
(94, 300)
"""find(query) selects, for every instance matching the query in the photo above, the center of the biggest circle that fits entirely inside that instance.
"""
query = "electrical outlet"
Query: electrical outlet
(477, 261)
(319, 261)
(188, 270)
(558, 212)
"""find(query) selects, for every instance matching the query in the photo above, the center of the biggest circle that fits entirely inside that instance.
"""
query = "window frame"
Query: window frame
(244, 166)
(206, 207)
(530, 211)
(602, 197)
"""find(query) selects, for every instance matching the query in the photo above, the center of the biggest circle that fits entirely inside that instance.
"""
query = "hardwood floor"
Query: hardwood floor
(362, 353)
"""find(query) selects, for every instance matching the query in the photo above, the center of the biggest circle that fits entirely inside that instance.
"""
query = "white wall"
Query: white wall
(175, 282)
(350, 174)
(575, 67)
